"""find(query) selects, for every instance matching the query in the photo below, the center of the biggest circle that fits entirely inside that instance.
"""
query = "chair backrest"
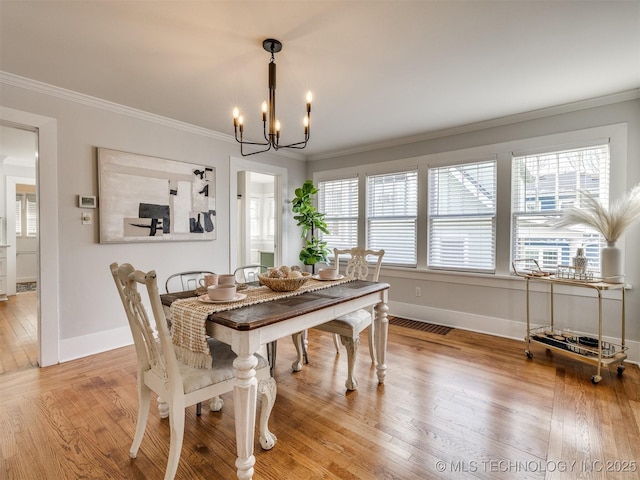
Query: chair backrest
(249, 273)
(157, 355)
(362, 264)
(184, 281)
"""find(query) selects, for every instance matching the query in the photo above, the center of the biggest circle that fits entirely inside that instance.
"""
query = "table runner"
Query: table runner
(189, 316)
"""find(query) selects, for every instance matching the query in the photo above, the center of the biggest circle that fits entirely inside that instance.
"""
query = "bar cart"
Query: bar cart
(591, 350)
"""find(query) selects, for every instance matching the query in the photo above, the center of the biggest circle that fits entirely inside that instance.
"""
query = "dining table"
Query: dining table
(259, 317)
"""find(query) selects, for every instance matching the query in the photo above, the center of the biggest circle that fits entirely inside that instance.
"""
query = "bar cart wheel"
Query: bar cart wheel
(595, 379)
(529, 354)
(620, 369)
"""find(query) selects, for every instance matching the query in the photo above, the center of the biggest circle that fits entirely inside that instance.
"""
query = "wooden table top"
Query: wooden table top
(259, 315)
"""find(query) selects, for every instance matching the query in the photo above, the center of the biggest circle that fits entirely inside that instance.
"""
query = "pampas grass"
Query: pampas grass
(612, 222)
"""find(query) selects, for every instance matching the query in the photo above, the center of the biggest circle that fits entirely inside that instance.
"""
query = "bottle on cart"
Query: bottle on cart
(580, 261)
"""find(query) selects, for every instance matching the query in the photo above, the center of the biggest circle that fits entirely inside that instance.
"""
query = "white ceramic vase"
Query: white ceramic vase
(611, 268)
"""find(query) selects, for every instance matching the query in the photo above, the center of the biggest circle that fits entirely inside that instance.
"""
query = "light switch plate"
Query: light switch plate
(87, 218)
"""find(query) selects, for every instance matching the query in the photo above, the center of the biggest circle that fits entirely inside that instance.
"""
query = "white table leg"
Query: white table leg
(244, 397)
(380, 330)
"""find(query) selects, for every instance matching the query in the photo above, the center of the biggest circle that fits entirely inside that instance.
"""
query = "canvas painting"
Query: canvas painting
(150, 199)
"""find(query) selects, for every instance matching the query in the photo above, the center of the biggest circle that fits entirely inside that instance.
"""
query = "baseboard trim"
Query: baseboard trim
(85, 345)
(78, 347)
(499, 327)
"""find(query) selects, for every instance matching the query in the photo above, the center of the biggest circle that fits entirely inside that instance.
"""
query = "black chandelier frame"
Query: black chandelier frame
(271, 127)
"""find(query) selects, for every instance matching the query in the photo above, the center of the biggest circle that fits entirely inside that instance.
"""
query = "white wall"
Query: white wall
(496, 305)
(90, 316)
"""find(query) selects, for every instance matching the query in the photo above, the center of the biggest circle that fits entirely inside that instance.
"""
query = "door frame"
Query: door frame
(48, 309)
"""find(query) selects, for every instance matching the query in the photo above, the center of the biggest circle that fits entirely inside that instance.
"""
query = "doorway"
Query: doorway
(256, 218)
(256, 232)
(19, 232)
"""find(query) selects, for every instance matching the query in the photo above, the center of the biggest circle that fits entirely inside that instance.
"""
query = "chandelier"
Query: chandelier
(271, 129)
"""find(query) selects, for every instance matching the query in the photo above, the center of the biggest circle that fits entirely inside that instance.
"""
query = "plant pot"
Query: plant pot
(611, 268)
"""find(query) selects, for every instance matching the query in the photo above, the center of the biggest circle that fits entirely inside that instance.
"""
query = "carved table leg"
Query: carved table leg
(244, 398)
(380, 332)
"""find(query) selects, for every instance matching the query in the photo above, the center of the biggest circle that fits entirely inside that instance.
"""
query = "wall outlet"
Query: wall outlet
(418, 292)
(87, 218)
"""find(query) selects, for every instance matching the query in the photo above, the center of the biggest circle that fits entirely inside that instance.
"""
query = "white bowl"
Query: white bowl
(221, 292)
(226, 279)
(328, 273)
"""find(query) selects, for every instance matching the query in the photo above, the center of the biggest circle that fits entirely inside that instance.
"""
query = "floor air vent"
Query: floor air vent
(422, 326)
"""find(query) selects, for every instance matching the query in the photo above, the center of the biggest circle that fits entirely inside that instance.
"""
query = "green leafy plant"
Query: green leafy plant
(312, 223)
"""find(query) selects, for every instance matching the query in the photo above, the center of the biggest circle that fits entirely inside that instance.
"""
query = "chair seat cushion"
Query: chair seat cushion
(223, 357)
(350, 324)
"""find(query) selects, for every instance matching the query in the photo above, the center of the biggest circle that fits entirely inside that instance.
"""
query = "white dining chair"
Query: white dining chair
(177, 384)
(362, 264)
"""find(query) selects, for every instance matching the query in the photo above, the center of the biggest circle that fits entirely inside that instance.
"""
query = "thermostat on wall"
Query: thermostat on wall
(86, 201)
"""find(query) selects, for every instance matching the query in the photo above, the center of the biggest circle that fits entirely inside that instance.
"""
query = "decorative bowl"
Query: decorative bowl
(284, 284)
(221, 292)
(328, 273)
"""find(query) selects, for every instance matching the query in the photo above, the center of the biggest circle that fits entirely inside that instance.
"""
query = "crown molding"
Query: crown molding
(81, 98)
(51, 90)
(496, 122)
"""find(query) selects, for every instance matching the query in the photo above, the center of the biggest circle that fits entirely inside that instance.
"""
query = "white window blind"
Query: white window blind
(392, 210)
(254, 217)
(18, 215)
(462, 217)
(543, 185)
(271, 216)
(338, 200)
(32, 216)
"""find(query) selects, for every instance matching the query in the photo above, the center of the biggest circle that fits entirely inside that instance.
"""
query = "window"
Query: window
(475, 210)
(19, 215)
(271, 216)
(543, 185)
(392, 204)
(338, 200)
(254, 217)
(26, 215)
(462, 217)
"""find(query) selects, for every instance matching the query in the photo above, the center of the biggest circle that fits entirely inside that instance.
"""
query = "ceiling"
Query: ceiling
(380, 71)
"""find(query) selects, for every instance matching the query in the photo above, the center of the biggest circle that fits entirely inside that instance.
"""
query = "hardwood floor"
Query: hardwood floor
(18, 332)
(461, 405)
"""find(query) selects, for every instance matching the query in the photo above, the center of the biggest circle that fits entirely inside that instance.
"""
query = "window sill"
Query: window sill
(496, 280)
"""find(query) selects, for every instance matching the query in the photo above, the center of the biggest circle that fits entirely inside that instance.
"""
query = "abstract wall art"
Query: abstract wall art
(150, 199)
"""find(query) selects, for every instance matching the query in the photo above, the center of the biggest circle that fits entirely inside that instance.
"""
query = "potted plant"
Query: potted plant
(611, 223)
(312, 223)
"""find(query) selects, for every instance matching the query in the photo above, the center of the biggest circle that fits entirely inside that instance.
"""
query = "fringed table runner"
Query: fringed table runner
(189, 317)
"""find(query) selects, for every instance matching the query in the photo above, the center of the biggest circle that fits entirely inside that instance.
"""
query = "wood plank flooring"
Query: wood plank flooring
(462, 405)
(18, 332)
